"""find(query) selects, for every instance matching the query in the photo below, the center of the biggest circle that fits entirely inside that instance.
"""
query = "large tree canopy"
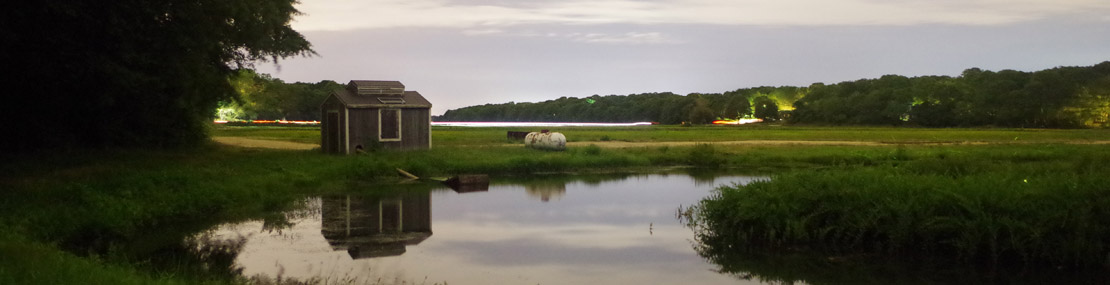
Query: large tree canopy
(131, 73)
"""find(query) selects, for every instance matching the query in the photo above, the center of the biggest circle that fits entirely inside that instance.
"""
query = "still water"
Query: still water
(552, 230)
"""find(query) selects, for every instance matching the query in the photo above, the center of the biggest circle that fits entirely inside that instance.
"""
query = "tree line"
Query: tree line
(1062, 97)
(261, 96)
(664, 108)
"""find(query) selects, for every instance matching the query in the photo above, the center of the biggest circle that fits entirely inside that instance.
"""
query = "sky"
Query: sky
(460, 53)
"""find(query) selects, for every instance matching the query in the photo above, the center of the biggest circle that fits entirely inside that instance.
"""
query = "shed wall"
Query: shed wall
(364, 127)
(415, 129)
(333, 141)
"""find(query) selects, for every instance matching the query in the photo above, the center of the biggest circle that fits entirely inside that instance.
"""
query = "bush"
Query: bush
(705, 155)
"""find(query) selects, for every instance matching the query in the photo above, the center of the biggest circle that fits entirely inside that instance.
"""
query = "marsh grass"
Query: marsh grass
(99, 217)
(293, 134)
(474, 136)
(1048, 208)
(447, 136)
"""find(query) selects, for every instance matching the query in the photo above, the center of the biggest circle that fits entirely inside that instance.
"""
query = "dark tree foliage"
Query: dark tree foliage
(766, 108)
(263, 97)
(131, 73)
(665, 108)
(1064, 97)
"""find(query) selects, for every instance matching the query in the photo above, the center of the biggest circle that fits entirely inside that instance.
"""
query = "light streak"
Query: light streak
(537, 124)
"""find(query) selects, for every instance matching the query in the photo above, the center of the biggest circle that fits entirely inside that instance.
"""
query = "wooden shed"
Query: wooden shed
(370, 113)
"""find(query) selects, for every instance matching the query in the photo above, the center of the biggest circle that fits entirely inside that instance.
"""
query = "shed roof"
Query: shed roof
(376, 87)
(378, 83)
(410, 99)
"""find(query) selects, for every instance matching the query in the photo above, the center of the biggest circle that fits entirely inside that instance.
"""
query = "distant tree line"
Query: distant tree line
(1063, 97)
(260, 96)
(665, 108)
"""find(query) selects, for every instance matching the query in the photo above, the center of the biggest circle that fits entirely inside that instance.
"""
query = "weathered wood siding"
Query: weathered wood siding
(333, 142)
(415, 129)
(364, 127)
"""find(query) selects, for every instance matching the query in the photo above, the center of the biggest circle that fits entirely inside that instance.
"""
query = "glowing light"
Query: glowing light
(736, 122)
(220, 122)
(537, 124)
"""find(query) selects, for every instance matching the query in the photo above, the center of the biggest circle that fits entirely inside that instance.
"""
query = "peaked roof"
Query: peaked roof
(376, 87)
(411, 99)
(378, 83)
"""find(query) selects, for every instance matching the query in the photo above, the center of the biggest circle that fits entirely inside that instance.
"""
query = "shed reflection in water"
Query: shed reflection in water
(557, 229)
(376, 226)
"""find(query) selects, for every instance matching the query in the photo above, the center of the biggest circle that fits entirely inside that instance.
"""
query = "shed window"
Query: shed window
(389, 124)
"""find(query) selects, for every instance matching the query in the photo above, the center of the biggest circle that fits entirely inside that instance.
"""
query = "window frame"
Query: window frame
(381, 138)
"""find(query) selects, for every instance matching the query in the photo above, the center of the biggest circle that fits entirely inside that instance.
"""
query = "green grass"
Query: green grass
(294, 134)
(1046, 206)
(449, 136)
(119, 214)
(481, 136)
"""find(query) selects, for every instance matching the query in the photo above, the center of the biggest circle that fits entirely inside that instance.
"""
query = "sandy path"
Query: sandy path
(256, 143)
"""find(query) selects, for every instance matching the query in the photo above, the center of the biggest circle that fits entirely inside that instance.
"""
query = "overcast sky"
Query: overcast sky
(470, 52)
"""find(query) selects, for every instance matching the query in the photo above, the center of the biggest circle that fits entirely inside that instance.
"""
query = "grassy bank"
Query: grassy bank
(120, 216)
(450, 136)
(1046, 207)
(471, 136)
(66, 217)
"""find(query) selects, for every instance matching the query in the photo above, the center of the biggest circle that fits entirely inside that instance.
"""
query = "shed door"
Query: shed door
(333, 140)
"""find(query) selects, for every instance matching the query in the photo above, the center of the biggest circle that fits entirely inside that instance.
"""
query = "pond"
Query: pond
(614, 229)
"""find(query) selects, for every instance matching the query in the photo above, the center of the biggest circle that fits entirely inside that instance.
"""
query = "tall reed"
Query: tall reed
(1053, 213)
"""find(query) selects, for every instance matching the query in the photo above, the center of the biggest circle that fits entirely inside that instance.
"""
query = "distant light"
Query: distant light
(736, 122)
(536, 124)
(220, 122)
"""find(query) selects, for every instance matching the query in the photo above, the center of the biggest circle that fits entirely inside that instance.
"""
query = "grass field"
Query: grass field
(472, 136)
(80, 217)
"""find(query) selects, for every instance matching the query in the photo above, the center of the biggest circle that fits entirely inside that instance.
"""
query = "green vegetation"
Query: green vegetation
(1068, 97)
(261, 96)
(994, 206)
(461, 136)
(132, 73)
(294, 134)
(122, 215)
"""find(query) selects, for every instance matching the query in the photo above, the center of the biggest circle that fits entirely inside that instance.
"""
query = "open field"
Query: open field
(749, 134)
(450, 136)
(75, 217)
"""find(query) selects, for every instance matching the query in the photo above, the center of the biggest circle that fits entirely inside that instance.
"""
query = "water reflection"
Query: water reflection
(376, 226)
(603, 229)
(546, 190)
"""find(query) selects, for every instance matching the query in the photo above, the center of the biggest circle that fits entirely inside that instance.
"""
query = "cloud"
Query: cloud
(630, 38)
(626, 38)
(481, 32)
(479, 15)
